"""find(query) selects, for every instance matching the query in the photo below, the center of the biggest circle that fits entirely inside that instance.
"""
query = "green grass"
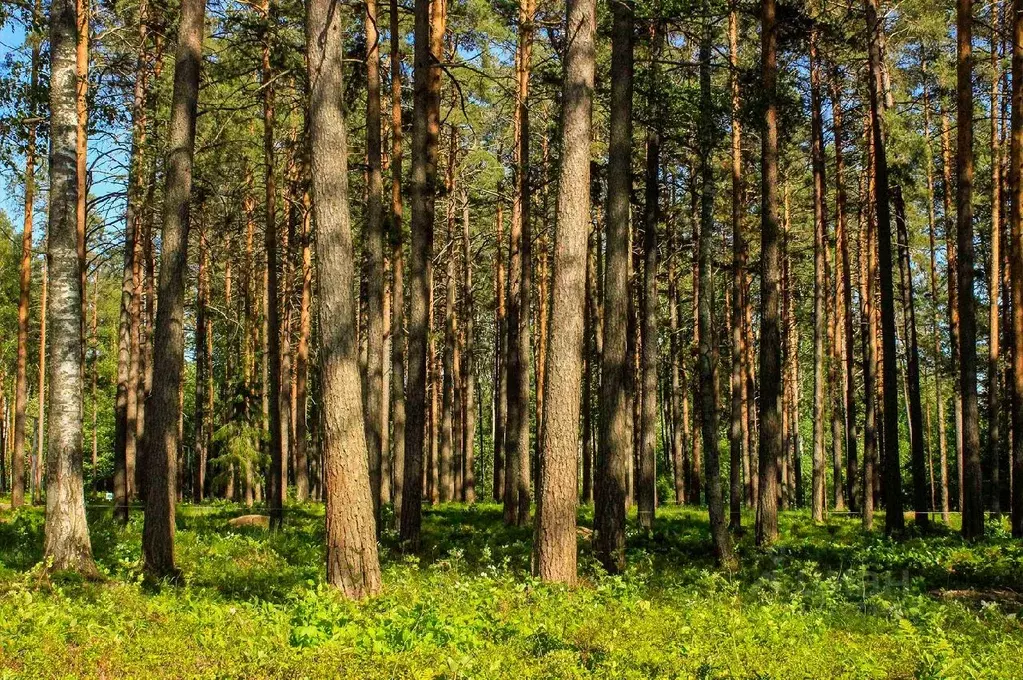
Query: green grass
(826, 601)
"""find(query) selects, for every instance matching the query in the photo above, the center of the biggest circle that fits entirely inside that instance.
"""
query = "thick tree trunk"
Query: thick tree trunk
(614, 443)
(555, 538)
(352, 562)
(769, 412)
(973, 502)
(163, 406)
(425, 133)
(66, 544)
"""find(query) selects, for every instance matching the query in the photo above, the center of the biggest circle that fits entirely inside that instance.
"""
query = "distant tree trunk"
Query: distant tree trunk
(41, 424)
(163, 405)
(302, 355)
(201, 335)
(517, 450)
(818, 495)
(25, 289)
(678, 390)
(973, 502)
(737, 434)
(278, 422)
(66, 544)
(894, 520)
(708, 356)
(615, 439)
(500, 356)
(995, 404)
(647, 482)
(373, 242)
(918, 462)
(843, 293)
(770, 326)
(1016, 265)
(951, 259)
(939, 397)
(425, 133)
(397, 271)
(352, 562)
(867, 261)
(555, 538)
(590, 364)
(468, 488)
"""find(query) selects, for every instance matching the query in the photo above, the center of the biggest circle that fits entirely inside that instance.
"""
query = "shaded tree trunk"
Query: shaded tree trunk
(397, 271)
(818, 495)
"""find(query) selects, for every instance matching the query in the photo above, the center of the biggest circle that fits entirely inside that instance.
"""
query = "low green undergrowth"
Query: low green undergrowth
(825, 601)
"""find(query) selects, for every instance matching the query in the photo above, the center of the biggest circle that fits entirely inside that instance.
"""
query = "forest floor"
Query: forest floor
(826, 601)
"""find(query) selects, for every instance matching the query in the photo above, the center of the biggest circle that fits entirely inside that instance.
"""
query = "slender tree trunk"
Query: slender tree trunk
(995, 404)
(500, 356)
(973, 507)
(25, 288)
(302, 355)
(517, 451)
(163, 405)
(1016, 265)
(918, 462)
(41, 423)
(555, 538)
(352, 562)
(737, 436)
(66, 545)
(397, 271)
(373, 242)
(615, 440)
(448, 429)
(818, 495)
(894, 520)
(867, 259)
(769, 413)
(425, 133)
(201, 335)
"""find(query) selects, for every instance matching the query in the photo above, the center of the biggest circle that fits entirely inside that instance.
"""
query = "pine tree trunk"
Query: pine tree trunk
(500, 356)
(555, 537)
(425, 133)
(302, 355)
(818, 495)
(201, 334)
(995, 405)
(1016, 265)
(397, 271)
(25, 290)
(615, 430)
(352, 562)
(894, 520)
(737, 436)
(769, 414)
(163, 405)
(66, 545)
(973, 503)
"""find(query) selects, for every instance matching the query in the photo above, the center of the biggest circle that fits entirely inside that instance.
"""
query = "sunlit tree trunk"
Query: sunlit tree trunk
(555, 537)
(500, 395)
(818, 495)
(66, 544)
(1016, 266)
(397, 271)
(352, 562)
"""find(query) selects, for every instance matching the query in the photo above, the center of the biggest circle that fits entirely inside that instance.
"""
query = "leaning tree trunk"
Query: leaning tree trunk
(973, 502)
(555, 538)
(66, 544)
(352, 562)
(769, 415)
(163, 408)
